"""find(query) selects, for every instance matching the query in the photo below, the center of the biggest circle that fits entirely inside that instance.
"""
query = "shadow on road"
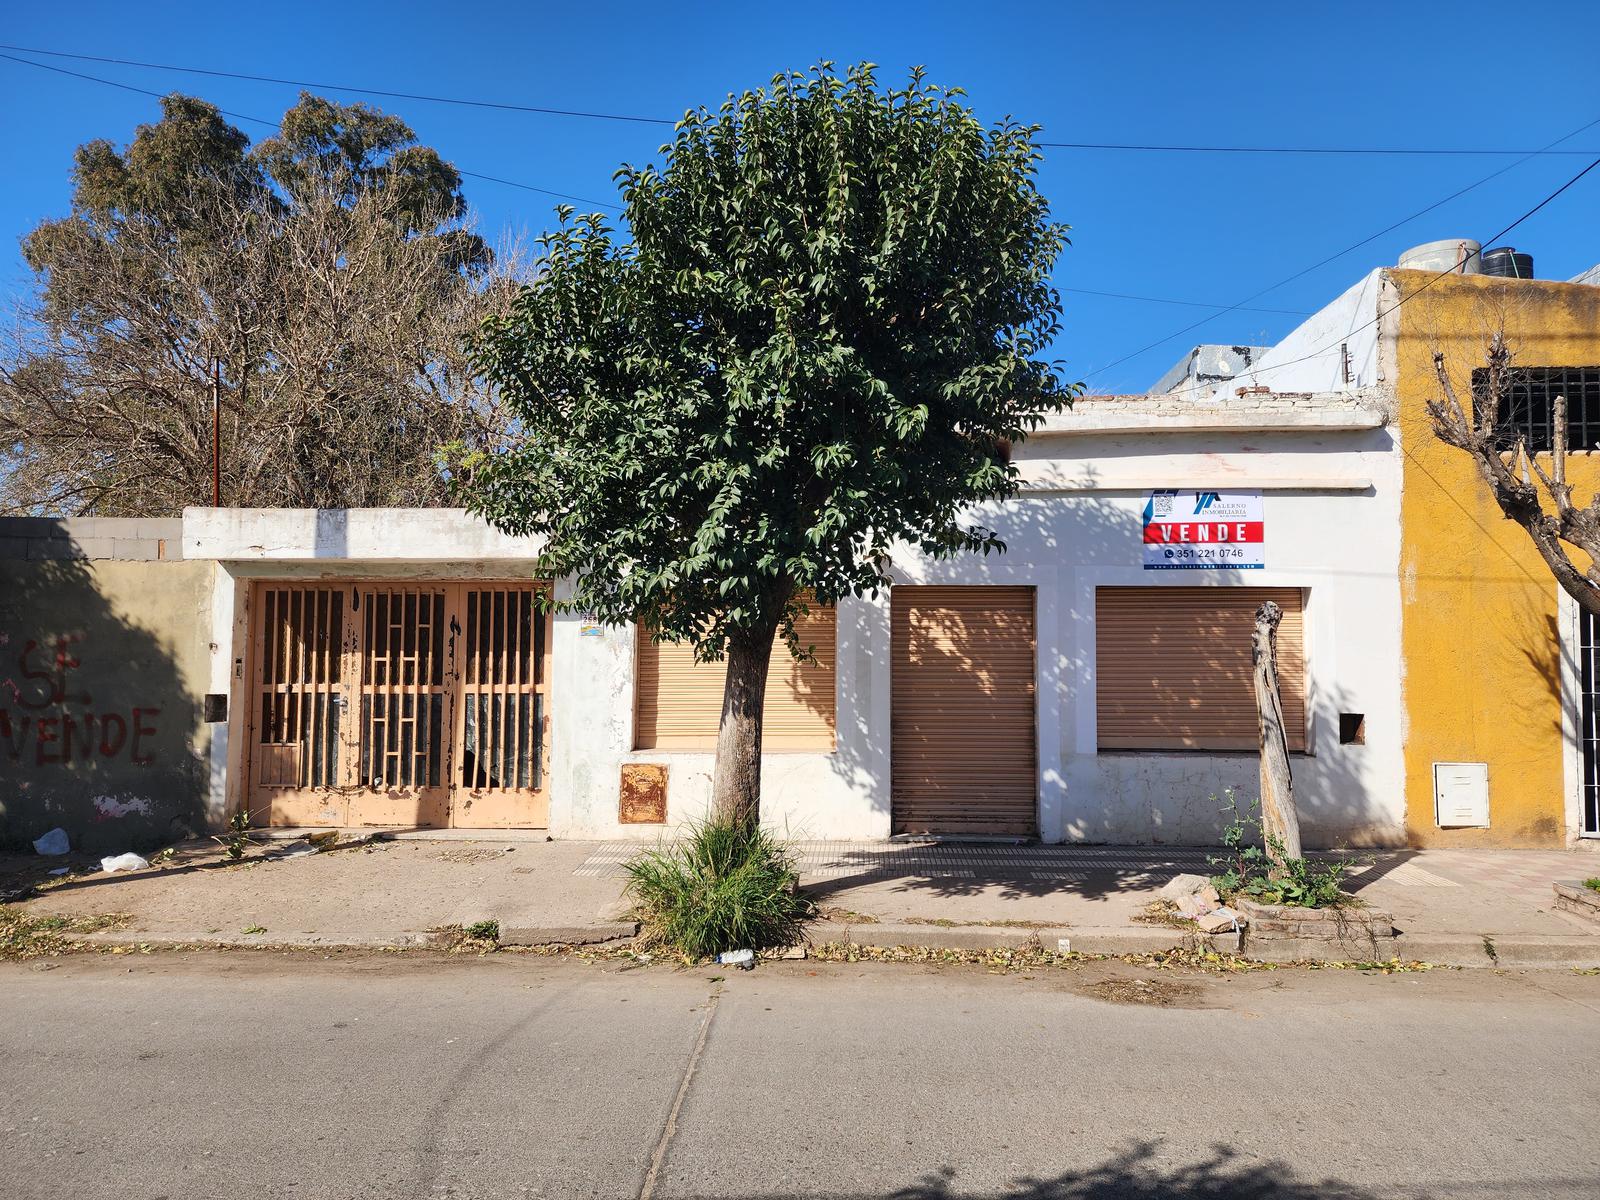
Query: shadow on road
(1137, 1174)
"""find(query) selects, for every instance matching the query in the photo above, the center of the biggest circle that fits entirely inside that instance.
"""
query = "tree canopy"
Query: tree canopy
(824, 333)
(327, 276)
(825, 328)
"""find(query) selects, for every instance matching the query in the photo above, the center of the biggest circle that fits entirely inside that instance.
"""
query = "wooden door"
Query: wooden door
(962, 714)
(414, 704)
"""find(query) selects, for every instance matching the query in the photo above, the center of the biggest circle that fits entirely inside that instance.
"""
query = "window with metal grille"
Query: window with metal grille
(1589, 719)
(1527, 406)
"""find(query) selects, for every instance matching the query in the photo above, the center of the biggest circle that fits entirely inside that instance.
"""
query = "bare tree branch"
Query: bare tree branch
(1538, 499)
(342, 335)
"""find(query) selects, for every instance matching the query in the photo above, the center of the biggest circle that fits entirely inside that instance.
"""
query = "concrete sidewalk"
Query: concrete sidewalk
(1465, 908)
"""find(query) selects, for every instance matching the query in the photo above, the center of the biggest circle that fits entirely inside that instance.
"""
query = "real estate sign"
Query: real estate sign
(1186, 530)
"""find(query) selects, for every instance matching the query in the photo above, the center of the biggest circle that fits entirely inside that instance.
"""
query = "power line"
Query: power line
(631, 118)
(238, 116)
(343, 87)
(1382, 314)
(1291, 312)
(1392, 150)
(1348, 249)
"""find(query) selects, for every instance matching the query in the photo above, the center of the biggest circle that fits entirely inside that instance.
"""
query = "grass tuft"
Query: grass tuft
(718, 888)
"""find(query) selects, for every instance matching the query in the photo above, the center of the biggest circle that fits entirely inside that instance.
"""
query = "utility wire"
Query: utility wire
(1383, 313)
(1291, 312)
(1394, 150)
(639, 120)
(343, 87)
(238, 116)
(1348, 249)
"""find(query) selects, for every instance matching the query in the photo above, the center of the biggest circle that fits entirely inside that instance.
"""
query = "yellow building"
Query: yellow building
(1492, 648)
(1499, 673)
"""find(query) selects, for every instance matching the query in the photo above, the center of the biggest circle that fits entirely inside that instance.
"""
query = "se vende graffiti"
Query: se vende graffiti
(33, 731)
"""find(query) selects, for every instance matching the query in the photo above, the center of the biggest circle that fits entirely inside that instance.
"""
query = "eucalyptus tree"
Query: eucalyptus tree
(824, 328)
(317, 287)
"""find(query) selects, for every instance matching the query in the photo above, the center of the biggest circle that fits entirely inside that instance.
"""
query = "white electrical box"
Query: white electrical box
(1461, 795)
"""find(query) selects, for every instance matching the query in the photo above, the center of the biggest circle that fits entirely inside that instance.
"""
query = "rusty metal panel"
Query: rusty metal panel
(643, 794)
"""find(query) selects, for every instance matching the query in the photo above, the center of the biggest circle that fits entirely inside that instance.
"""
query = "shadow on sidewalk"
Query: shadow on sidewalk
(1090, 872)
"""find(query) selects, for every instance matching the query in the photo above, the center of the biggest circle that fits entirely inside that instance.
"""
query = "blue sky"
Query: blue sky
(1210, 228)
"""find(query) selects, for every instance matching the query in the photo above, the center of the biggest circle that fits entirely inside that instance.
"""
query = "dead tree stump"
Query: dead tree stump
(1279, 822)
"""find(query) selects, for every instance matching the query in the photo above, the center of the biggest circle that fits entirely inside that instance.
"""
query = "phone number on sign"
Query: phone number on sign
(1202, 556)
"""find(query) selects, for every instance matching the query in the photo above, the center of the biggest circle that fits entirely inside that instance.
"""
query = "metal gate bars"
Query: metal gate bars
(418, 704)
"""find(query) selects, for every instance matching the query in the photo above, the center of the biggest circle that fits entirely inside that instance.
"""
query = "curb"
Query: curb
(1533, 951)
(1084, 940)
(257, 941)
(567, 935)
(1524, 950)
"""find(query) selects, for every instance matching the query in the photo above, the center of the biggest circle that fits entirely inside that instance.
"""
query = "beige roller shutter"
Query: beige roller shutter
(679, 701)
(962, 752)
(1172, 667)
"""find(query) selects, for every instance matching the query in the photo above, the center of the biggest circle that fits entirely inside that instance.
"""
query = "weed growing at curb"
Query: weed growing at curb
(1246, 869)
(1592, 884)
(721, 887)
(238, 839)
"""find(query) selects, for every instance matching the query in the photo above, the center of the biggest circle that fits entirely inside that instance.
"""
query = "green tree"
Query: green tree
(327, 276)
(821, 340)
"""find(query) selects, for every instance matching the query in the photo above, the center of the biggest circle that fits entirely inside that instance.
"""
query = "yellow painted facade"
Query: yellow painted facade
(1481, 638)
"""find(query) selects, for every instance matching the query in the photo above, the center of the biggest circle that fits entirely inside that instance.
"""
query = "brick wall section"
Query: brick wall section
(105, 539)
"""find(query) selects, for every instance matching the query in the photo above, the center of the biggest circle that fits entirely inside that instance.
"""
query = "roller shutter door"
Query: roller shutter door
(1173, 672)
(678, 701)
(962, 726)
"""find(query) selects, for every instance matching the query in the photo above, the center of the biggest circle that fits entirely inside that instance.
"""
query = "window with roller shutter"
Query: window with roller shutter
(678, 702)
(1173, 672)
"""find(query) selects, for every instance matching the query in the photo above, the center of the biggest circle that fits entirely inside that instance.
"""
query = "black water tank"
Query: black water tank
(1507, 263)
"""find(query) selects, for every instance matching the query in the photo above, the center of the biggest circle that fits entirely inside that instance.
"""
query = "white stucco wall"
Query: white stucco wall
(842, 794)
(1331, 497)
(1332, 515)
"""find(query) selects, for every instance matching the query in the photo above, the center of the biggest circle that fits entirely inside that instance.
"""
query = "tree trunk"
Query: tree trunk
(1279, 821)
(736, 782)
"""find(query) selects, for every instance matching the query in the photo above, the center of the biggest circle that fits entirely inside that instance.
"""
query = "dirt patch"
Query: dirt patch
(473, 855)
(844, 916)
(948, 924)
(25, 935)
(1159, 993)
(1161, 912)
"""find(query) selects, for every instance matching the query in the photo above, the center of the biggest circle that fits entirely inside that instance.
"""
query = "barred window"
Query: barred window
(1528, 404)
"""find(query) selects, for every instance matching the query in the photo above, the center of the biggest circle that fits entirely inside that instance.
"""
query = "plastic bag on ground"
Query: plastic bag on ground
(53, 843)
(123, 862)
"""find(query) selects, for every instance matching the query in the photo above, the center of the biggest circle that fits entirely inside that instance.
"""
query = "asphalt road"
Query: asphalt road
(260, 1075)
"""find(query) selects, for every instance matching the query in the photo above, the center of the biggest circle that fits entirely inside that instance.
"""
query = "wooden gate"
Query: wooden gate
(401, 704)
